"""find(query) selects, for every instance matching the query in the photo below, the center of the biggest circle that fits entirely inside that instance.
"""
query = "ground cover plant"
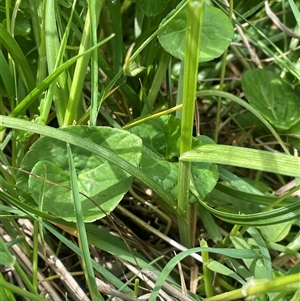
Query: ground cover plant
(149, 150)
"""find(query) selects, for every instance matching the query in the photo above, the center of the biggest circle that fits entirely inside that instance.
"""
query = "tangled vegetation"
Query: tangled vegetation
(149, 150)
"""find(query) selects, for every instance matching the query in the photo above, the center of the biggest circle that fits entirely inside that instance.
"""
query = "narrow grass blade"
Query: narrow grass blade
(21, 292)
(174, 261)
(245, 157)
(81, 65)
(19, 58)
(38, 90)
(246, 106)
(82, 236)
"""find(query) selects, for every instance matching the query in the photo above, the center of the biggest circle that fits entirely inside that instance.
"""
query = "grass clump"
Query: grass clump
(149, 150)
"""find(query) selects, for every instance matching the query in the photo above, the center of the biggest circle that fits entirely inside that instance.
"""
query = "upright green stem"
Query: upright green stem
(81, 66)
(194, 25)
(94, 63)
(206, 272)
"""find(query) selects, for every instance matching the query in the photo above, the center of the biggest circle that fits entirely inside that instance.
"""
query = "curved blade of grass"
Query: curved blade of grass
(271, 217)
(82, 236)
(253, 198)
(19, 58)
(93, 148)
(96, 236)
(246, 106)
(21, 292)
(31, 97)
(174, 261)
(245, 157)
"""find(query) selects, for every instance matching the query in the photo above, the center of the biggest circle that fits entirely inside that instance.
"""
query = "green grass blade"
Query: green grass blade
(21, 292)
(271, 217)
(54, 52)
(266, 258)
(94, 10)
(18, 57)
(58, 92)
(174, 261)
(38, 90)
(6, 76)
(295, 11)
(81, 66)
(82, 236)
(117, 42)
(245, 157)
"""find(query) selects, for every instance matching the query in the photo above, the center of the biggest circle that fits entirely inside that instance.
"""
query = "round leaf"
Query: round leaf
(102, 182)
(161, 138)
(272, 97)
(217, 33)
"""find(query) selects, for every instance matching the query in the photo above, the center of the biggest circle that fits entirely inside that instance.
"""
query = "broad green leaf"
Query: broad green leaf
(161, 135)
(277, 232)
(90, 146)
(163, 172)
(204, 178)
(100, 180)
(272, 97)
(22, 26)
(236, 182)
(151, 8)
(162, 138)
(219, 268)
(7, 260)
(217, 33)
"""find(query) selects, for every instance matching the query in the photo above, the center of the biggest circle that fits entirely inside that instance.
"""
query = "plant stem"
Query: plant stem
(206, 272)
(94, 62)
(81, 65)
(255, 287)
(194, 25)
